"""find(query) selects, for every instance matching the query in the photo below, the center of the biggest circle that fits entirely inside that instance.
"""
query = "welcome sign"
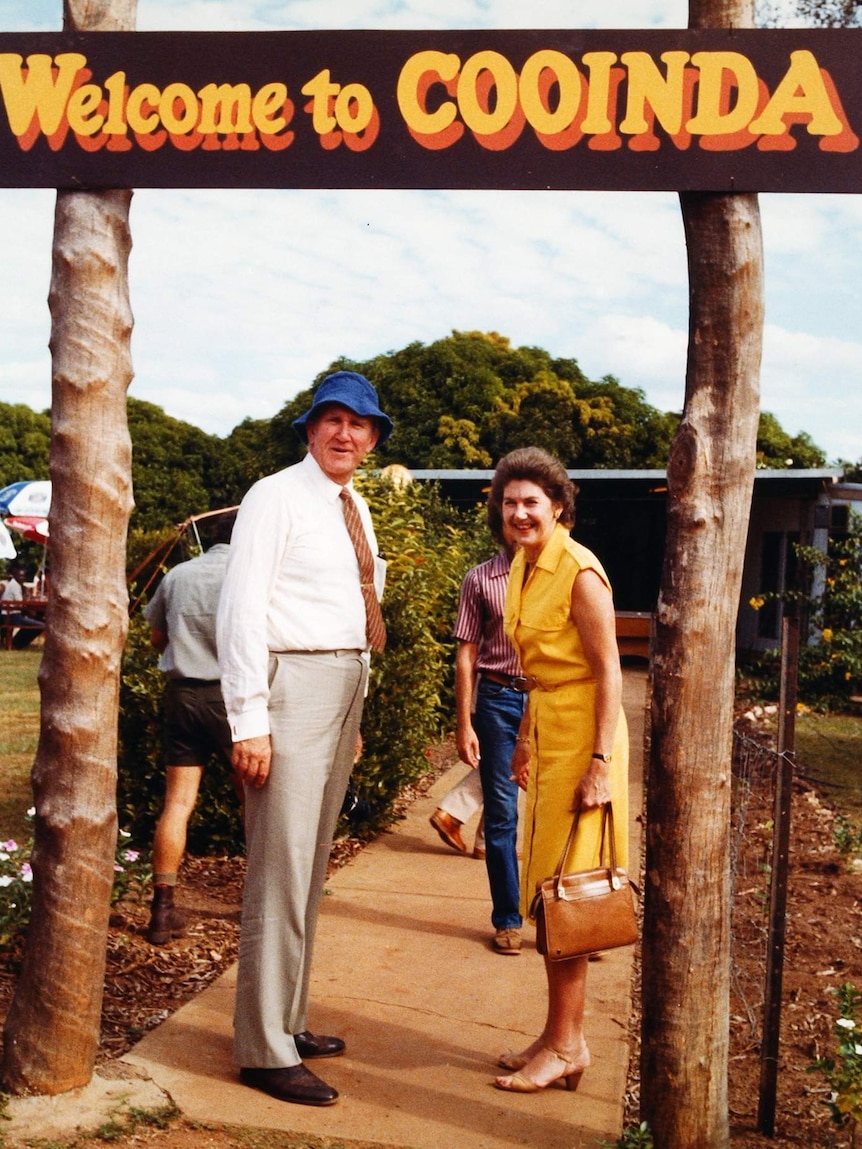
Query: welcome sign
(717, 110)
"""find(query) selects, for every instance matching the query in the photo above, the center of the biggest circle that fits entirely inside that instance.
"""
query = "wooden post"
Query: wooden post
(686, 944)
(52, 1027)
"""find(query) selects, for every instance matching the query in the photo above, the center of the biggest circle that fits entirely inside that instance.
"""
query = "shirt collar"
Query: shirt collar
(327, 488)
(498, 566)
(553, 550)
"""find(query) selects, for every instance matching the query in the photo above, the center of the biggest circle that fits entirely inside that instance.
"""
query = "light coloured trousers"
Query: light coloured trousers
(315, 710)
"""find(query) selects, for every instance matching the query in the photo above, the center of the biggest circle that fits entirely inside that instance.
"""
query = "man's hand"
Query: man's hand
(251, 760)
(468, 745)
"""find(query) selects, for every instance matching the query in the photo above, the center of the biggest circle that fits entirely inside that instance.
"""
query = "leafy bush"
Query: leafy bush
(830, 667)
(843, 1072)
(848, 836)
(429, 546)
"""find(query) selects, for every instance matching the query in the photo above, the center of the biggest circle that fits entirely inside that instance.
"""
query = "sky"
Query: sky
(242, 297)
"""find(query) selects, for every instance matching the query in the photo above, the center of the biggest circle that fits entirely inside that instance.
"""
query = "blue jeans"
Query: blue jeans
(498, 715)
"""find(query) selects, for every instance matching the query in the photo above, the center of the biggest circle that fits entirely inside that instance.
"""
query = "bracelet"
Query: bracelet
(602, 757)
(522, 740)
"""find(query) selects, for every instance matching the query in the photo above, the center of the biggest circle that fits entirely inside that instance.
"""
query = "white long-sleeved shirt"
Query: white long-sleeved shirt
(292, 584)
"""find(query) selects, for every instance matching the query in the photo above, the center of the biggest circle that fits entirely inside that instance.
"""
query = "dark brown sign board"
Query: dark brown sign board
(713, 110)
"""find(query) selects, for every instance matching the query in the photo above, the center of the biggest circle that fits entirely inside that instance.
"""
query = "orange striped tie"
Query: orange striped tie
(375, 628)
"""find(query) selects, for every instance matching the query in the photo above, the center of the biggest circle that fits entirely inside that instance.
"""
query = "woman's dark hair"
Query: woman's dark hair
(533, 465)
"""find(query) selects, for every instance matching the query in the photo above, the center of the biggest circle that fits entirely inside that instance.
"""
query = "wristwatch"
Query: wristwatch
(602, 757)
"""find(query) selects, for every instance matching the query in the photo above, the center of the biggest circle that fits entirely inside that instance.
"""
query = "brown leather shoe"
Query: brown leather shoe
(295, 1083)
(449, 829)
(309, 1045)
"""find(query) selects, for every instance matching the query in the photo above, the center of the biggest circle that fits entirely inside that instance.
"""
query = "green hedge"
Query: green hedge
(429, 546)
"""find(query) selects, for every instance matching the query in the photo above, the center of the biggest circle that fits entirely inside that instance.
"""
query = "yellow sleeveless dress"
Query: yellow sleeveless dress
(562, 715)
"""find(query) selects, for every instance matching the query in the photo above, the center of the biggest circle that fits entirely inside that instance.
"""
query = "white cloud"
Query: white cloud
(812, 383)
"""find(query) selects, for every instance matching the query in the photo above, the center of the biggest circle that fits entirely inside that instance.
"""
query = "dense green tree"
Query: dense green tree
(635, 435)
(172, 462)
(776, 449)
(25, 437)
(465, 400)
(250, 451)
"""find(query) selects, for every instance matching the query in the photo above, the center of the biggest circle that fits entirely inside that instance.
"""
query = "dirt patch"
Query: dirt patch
(822, 951)
(144, 985)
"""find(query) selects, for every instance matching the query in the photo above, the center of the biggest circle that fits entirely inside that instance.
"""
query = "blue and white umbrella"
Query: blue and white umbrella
(30, 497)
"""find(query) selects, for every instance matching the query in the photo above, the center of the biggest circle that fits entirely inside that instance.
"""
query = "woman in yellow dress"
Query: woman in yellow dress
(572, 748)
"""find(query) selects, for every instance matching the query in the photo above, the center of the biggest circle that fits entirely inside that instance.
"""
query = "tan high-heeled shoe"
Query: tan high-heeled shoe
(510, 1059)
(571, 1074)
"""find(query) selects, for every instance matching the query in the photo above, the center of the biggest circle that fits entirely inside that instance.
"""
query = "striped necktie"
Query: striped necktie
(375, 628)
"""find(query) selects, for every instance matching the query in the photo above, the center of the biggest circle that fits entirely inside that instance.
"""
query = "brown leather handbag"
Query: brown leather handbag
(585, 912)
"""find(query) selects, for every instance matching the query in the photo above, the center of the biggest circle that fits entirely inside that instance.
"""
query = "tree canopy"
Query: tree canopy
(465, 400)
(459, 402)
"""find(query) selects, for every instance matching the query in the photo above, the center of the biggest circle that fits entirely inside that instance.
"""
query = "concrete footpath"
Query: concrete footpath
(405, 973)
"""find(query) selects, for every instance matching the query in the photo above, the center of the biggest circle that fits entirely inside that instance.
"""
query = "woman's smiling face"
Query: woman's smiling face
(530, 515)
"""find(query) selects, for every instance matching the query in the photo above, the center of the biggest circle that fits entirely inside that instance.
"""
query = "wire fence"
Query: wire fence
(755, 771)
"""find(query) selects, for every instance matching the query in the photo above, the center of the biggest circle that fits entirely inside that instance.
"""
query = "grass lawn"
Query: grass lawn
(829, 753)
(19, 733)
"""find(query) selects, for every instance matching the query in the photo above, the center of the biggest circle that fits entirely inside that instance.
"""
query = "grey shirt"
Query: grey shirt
(184, 607)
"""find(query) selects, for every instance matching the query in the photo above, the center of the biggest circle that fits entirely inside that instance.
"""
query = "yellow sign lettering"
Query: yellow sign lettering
(231, 103)
(646, 85)
(718, 73)
(569, 83)
(42, 90)
(803, 93)
(417, 75)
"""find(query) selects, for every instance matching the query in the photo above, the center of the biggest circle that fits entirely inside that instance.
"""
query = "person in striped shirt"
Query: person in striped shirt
(490, 699)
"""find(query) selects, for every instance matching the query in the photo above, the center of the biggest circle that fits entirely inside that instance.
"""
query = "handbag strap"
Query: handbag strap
(607, 835)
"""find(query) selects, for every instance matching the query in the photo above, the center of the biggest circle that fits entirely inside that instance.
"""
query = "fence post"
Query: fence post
(780, 866)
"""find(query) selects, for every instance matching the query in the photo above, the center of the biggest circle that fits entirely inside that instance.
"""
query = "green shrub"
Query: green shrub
(830, 667)
(429, 546)
(843, 1071)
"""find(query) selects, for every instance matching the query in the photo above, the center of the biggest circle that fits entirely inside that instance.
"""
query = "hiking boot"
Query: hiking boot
(166, 921)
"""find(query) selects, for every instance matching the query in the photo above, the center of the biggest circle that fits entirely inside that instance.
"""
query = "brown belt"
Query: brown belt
(519, 682)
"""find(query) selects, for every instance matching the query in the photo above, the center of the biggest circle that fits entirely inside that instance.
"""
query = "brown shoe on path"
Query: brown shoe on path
(449, 829)
(508, 942)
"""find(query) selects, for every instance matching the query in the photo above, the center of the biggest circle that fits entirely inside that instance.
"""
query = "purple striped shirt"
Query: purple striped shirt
(480, 616)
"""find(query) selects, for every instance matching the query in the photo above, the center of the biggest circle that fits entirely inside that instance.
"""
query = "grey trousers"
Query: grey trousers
(315, 710)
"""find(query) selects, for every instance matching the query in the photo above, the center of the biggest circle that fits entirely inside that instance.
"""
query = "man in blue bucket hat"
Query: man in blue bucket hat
(299, 611)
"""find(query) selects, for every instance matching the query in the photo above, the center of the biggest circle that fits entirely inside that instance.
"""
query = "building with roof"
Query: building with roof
(622, 516)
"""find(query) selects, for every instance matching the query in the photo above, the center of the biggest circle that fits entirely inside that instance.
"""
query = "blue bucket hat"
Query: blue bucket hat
(350, 390)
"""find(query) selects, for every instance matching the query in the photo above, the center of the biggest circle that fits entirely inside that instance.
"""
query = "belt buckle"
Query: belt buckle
(519, 682)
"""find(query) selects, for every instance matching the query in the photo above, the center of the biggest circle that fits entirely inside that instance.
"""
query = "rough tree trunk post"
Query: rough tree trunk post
(52, 1029)
(686, 964)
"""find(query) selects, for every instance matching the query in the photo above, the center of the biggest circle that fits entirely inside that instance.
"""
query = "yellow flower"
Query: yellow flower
(757, 602)
(827, 634)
